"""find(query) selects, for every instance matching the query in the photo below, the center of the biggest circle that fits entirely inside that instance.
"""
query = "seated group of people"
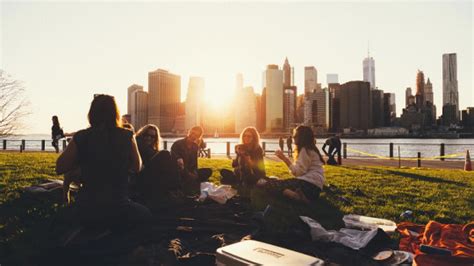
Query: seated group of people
(106, 157)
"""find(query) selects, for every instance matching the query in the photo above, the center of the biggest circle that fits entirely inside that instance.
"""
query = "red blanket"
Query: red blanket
(455, 237)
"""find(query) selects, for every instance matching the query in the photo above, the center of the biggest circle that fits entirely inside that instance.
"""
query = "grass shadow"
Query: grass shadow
(425, 178)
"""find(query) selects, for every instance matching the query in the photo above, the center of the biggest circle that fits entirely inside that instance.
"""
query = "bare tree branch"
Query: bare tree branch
(13, 105)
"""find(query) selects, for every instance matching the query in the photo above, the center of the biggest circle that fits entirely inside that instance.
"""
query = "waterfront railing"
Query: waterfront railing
(378, 150)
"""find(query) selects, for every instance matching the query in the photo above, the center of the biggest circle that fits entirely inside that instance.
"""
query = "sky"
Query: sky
(66, 52)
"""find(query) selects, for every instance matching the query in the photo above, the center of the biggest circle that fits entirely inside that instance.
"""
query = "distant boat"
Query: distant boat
(216, 135)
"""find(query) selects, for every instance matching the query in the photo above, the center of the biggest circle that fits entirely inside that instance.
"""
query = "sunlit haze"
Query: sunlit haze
(66, 52)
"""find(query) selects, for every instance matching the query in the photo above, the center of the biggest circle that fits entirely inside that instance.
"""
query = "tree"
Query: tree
(13, 104)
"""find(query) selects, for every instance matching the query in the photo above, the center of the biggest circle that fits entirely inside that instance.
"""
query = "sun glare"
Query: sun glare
(217, 100)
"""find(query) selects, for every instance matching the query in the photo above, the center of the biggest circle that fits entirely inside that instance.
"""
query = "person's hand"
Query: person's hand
(279, 154)
(180, 163)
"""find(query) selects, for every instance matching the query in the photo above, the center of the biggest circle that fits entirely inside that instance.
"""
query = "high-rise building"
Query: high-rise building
(369, 71)
(289, 107)
(299, 109)
(194, 103)
(130, 91)
(139, 111)
(335, 113)
(273, 86)
(288, 74)
(246, 103)
(332, 78)
(429, 91)
(389, 107)
(408, 94)
(310, 79)
(322, 109)
(356, 105)
(450, 82)
(420, 89)
(378, 108)
(164, 97)
(259, 99)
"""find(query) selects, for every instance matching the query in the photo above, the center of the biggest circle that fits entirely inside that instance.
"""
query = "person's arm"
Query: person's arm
(68, 159)
(136, 160)
(302, 164)
(282, 157)
(324, 149)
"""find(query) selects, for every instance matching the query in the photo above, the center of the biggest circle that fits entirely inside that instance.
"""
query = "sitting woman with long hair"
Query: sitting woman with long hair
(159, 174)
(307, 169)
(249, 165)
(105, 153)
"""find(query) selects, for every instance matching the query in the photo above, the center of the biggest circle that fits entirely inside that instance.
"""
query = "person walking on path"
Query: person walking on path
(281, 143)
(289, 144)
(333, 145)
(57, 133)
(185, 153)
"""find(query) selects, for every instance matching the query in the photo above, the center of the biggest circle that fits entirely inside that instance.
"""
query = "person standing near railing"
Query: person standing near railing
(334, 147)
(57, 133)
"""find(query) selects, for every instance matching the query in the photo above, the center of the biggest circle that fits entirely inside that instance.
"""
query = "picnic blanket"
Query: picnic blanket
(455, 237)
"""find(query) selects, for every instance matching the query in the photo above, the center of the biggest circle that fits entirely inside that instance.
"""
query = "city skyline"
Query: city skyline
(64, 59)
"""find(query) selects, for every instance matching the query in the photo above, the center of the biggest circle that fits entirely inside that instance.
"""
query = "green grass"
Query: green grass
(432, 194)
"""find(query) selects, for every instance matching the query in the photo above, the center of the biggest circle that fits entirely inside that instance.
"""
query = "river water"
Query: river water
(429, 148)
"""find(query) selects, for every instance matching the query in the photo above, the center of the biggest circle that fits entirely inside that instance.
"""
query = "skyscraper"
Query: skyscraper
(289, 107)
(310, 79)
(322, 109)
(164, 96)
(378, 108)
(429, 91)
(356, 105)
(390, 110)
(450, 81)
(130, 91)
(194, 103)
(420, 89)
(288, 74)
(408, 95)
(246, 103)
(289, 96)
(139, 110)
(369, 70)
(273, 86)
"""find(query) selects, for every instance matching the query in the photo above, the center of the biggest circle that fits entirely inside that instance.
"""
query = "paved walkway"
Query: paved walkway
(447, 164)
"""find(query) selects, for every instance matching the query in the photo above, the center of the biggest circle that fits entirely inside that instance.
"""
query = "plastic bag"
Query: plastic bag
(220, 194)
(369, 223)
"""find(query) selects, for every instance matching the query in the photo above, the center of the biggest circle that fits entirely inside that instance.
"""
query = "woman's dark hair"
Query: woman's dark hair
(304, 138)
(104, 112)
(144, 130)
(55, 120)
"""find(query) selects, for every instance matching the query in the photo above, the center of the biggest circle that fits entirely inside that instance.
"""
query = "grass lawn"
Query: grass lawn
(443, 195)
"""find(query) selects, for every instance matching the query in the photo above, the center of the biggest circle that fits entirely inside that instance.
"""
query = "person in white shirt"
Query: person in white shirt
(307, 170)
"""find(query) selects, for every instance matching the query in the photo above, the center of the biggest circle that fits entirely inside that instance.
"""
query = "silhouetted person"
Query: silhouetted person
(105, 153)
(334, 147)
(289, 145)
(281, 143)
(57, 133)
(159, 175)
(185, 153)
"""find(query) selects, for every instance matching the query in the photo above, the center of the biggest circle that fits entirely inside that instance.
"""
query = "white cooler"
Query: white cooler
(251, 252)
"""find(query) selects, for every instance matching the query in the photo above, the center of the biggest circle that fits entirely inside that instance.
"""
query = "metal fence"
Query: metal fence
(425, 151)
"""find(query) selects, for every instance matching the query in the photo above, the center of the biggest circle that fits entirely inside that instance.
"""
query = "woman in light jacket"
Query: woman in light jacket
(307, 170)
